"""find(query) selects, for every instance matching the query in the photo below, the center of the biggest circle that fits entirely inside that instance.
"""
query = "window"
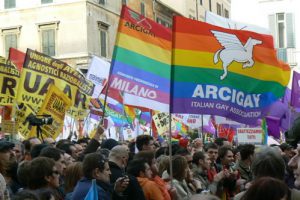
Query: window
(210, 5)
(226, 13)
(280, 30)
(102, 2)
(163, 22)
(10, 41)
(48, 42)
(282, 27)
(219, 9)
(10, 38)
(46, 1)
(48, 34)
(103, 29)
(201, 3)
(142, 9)
(9, 4)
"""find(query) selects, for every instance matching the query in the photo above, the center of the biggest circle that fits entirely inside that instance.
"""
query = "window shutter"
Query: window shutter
(290, 34)
(103, 43)
(272, 27)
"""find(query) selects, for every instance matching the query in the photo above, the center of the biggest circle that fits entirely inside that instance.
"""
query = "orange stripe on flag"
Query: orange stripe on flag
(165, 44)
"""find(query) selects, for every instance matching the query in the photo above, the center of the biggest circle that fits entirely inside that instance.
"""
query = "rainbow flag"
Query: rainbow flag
(225, 72)
(141, 63)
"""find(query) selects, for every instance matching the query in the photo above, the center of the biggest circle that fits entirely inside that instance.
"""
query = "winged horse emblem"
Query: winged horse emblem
(234, 50)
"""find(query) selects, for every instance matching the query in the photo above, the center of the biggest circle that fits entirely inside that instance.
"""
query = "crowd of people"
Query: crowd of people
(144, 170)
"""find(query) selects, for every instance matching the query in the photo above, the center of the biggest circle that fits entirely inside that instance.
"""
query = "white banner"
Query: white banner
(98, 73)
(249, 135)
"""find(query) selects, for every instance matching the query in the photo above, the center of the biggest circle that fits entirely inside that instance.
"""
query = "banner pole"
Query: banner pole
(170, 149)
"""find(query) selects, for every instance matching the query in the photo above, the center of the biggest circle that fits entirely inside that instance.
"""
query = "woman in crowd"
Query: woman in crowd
(73, 174)
(180, 170)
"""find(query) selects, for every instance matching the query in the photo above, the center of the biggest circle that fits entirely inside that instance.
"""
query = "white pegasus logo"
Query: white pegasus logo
(234, 51)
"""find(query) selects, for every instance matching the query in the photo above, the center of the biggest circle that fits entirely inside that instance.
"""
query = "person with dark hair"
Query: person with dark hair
(180, 172)
(83, 142)
(57, 155)
(142, 171)
(268, 162)
(29, 144)
(149, 157)
(95, 166)
(201, 164)
(222, 142)
(36, 150)
(228, 175)
(22, 173)
(118, 158)
(6, 156)
(43, 174)
(244, 165)
(46, 194)
(212, 151)
(109, 144)
(267, 188)
(145, 142)
(25, 194)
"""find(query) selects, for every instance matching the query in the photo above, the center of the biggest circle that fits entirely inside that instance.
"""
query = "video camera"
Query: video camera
(39, 120)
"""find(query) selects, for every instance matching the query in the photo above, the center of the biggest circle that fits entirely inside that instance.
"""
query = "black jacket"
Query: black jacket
(134, 190)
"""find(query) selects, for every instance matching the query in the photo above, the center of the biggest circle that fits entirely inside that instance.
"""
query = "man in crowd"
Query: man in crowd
(244, 165)
(145, 143)
(118, 158)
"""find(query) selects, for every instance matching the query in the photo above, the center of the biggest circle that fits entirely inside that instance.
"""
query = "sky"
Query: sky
(247, 11)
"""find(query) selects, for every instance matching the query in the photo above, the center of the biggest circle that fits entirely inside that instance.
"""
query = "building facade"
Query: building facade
(282, 18)
(75, 30)
(70, 30)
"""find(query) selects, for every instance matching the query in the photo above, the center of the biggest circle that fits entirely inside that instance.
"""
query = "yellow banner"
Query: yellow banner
(40, 71)
(55, 104)
(9, 79)
(9, 126)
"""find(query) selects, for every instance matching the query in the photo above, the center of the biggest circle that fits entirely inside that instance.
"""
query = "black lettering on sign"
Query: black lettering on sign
(8, 84)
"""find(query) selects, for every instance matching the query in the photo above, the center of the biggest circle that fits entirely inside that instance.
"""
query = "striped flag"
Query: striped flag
(225, 72)
(141, 62)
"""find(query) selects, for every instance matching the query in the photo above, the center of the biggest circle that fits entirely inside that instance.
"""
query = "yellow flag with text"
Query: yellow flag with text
(55, 104)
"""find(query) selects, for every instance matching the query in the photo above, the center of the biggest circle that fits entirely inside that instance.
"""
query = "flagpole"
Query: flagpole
(201, 128)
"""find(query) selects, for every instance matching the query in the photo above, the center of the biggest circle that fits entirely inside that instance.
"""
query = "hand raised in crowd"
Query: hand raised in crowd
(121, 184)
(100, 130)
(219, 176)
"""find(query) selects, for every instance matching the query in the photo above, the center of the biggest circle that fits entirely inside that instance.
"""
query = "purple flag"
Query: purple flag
(295, 96)
(273, 126)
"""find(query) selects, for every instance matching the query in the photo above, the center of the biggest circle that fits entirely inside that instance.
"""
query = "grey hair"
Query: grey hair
(268, 162)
